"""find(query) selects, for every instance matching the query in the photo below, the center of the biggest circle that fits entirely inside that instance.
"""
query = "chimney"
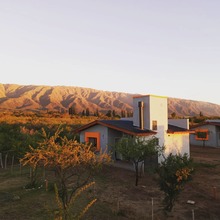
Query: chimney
(141, 114)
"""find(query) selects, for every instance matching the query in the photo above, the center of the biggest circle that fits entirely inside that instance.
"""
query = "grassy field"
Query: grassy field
(117, 197)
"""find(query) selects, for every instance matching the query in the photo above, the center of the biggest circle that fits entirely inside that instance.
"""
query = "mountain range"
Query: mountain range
(61, 98)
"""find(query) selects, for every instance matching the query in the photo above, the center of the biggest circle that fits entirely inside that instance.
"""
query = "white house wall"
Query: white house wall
(158, 112)
(145, 99)
(176, 144)
(155, 108)
(182, 123)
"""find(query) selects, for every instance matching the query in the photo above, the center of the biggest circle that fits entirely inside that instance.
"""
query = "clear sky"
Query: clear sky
(162, 47)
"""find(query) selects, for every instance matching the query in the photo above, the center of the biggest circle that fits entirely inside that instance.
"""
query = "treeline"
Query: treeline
(15, 139)
(193, 120)
(110, 113)
(21, 129)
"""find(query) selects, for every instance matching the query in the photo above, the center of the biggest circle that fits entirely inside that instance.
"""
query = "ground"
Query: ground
(118, 198)
(136, 202)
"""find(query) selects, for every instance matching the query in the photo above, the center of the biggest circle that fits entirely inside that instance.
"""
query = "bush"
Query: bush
(174, 172)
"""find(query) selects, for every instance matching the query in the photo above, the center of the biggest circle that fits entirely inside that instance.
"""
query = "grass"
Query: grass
(20, 203)
(113, 185)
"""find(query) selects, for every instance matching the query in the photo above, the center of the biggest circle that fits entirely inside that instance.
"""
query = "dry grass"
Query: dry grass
(117, 196)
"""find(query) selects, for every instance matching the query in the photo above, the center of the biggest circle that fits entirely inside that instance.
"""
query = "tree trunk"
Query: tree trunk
(137, 173)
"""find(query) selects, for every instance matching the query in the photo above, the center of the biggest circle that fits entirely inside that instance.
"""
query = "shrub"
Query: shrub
(174, 172)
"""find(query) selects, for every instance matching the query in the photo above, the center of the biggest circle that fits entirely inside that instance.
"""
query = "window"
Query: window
(154, 125)
(94, 139)
(201, 135)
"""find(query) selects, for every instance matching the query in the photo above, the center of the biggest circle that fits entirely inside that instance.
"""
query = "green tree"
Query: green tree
(15, 139)
(174, 172)
(137, 149)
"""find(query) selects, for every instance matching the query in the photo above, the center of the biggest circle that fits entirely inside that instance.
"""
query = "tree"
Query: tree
(83, 113)
(123, 114)
(173, 114)
(72, 110)
(136, 150)
(113, 113)
(97, 112)
(15, 139)
(87, 112)
(73, 163)
(201, 114)
(173, 173)
(109, 113)
(129, 114)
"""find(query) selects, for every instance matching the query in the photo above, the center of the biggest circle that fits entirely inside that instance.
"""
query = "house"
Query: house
(150, 118)
(206, 134)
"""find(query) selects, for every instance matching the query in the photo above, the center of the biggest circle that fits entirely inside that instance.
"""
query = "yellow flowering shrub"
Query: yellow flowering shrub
(74, 164)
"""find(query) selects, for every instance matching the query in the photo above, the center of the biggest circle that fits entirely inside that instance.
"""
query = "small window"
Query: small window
(93, 141)
(201, 135)
(154, 125)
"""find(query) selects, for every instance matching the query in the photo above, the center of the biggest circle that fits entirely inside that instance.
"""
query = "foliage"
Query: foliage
(66, 213)
(173, 114)
(15, 139)
(136, 150)
(174, 172)
(73, 163)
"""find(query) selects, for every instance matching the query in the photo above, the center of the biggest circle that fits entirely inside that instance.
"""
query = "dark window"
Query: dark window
(202, 135)
(93, 141)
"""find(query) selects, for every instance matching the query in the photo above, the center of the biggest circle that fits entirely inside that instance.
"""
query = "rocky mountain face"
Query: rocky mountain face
(61, 98)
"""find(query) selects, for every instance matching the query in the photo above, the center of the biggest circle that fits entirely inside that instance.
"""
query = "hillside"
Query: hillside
(31, 97)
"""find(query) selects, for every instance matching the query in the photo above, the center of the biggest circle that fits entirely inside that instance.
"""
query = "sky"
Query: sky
(168, 48)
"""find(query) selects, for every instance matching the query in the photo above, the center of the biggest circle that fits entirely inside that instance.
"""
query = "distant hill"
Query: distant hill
(31, 97)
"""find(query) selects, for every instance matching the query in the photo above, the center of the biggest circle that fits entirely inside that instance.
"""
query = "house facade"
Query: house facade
(206, 134)
(150, 118)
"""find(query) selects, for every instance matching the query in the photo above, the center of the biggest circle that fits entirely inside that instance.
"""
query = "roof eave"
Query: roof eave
(86, 126)
(126, 131)
(179, 132)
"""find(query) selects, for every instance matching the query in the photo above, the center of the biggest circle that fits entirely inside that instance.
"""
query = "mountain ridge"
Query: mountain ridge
(61, 98)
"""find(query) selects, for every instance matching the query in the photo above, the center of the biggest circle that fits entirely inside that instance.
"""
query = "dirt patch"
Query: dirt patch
(132, 202)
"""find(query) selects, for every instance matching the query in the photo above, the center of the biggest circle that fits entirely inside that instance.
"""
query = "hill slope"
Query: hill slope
(33, 97)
